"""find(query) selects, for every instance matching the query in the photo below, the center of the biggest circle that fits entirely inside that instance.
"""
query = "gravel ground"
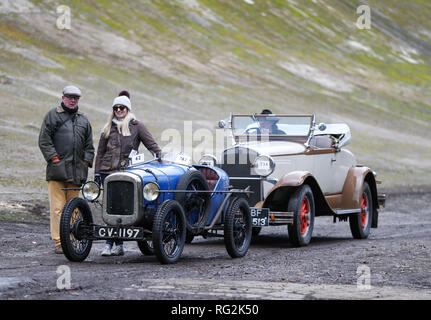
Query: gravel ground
(396, 257)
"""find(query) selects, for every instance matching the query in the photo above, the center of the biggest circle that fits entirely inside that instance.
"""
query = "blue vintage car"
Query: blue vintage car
(161, 204)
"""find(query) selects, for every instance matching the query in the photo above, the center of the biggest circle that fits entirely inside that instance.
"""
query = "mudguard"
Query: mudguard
(350, 198)
(288, 183)
(352, 190)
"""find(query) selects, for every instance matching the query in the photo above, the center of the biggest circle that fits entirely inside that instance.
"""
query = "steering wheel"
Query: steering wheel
(248, 131)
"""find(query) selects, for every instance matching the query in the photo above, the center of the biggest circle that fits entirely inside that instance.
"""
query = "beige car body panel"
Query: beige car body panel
(294, 163)
(319, 159)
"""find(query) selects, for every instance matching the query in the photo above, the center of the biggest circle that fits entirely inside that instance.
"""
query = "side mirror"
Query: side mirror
(222, 124)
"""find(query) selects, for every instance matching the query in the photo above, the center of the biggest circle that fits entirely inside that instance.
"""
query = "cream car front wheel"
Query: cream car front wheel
(301, 203)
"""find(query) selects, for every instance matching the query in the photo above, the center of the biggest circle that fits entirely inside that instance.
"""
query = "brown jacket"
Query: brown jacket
(117, 147)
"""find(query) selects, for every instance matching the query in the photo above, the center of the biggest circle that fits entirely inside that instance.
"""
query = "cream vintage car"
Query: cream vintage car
(298, 170)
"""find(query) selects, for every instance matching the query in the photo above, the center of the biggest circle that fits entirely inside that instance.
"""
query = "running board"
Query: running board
(340, 212)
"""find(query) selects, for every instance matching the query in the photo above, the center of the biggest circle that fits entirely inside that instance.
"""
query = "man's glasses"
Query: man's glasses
(116, 108)
(71, 97)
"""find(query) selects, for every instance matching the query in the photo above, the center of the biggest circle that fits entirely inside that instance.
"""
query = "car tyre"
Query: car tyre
(169, 232)
(237, 228)
(360, 224)
(146, 247)
(301, 203)
(76, 215)
(189, 237)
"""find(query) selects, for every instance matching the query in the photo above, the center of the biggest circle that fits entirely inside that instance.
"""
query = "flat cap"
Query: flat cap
(72, 90)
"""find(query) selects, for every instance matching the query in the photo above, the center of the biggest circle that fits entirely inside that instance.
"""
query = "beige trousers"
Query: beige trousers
(57, 200)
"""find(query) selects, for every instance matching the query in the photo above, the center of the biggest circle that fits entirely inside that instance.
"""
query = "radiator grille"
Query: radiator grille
(120, 198)
(236, 162)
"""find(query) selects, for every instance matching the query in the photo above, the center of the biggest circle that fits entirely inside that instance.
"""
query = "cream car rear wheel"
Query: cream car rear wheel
(360, 224)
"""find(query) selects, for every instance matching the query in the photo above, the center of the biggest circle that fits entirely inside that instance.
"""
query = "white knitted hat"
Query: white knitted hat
(124, 101)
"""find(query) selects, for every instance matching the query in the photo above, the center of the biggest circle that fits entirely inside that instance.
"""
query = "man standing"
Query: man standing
(66, 142)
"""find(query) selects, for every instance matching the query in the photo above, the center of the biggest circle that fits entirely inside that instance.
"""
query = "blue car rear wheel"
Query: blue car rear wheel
(237, 228)
(196, 205)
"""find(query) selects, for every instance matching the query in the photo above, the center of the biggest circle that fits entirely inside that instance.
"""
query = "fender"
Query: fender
(280, 193)
(352, 189)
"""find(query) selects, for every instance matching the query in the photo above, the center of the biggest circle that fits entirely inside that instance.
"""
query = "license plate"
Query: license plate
(118, 232)
(260, 217)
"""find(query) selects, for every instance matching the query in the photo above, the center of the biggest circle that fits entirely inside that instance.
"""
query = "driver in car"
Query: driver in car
(268, 125)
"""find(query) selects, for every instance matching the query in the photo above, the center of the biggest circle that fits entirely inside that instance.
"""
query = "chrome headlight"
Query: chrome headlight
(208, 160)
(91, 191)
(151, 191)
(263, 166)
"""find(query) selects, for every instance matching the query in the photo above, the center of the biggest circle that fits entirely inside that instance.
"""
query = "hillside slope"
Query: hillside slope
(200, 60)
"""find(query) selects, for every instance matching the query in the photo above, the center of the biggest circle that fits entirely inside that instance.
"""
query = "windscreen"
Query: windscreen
(289, 126)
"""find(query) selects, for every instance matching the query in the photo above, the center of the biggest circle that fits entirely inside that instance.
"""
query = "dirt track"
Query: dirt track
(397, 255)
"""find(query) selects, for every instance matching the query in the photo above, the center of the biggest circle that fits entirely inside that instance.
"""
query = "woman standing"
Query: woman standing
(120, 135)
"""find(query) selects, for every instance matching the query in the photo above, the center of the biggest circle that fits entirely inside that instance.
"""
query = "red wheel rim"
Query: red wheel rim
(305, 216)
(364, 210)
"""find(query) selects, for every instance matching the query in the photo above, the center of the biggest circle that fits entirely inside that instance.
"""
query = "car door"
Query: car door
(325, 164)
(341, 162)
(323, 169)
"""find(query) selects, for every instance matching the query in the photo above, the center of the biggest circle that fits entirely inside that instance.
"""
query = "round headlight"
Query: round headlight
(208, 160)
(263, 166)
(91, 191)
(151, 191)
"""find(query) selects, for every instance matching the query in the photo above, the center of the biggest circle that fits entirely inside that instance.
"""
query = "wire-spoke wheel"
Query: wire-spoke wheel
(75, 217)
(169, 232)
(237, 228)
(360, 223)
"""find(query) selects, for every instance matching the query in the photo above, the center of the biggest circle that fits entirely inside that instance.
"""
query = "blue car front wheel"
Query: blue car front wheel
(169, 232)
